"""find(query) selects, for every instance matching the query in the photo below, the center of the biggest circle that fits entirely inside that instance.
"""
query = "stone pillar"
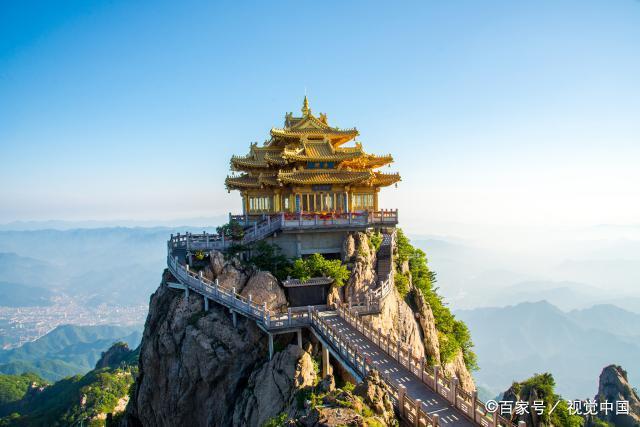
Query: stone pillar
(299, 333)
(206, 304)
(270, 346)
(325, 361)
(522, 424)
(234, 316)
(436, 376)
(416, 421)
(474, 400)
(453, 390)
(436, 419)
(402, 392)
(375, 199)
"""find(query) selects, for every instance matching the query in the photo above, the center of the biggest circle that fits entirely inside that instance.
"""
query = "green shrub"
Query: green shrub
(268, 257)
(376, 240)
(317, 265)
(232, 230)
(277, 421)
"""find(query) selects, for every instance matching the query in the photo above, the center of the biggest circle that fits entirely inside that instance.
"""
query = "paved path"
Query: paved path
(434, 403)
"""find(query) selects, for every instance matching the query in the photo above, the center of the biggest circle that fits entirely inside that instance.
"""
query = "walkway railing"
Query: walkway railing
(467, 403)
(212, 290)
(411, 410)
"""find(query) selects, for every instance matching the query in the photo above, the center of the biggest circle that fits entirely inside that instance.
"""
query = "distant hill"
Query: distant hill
(27, 400)
(102, 264)
(29, 271)
(19, 295)
(515, 342)
(67, 350)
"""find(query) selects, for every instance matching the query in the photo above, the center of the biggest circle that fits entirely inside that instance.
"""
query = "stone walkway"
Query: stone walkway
(433, 402)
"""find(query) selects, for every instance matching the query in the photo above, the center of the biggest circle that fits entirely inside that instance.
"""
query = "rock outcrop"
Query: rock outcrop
(375, 394)
(263, 287)
(272, 388)
(363, 262)
(116, 354)
(197, 369)
(614, 387)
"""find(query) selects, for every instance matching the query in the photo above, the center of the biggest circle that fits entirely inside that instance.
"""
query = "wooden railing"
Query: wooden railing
(467, 403)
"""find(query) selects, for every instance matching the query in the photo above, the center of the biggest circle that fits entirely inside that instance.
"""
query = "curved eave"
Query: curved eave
(330, 176)
(241, 182)
(367, 162)
(240, 163)
(385, 179)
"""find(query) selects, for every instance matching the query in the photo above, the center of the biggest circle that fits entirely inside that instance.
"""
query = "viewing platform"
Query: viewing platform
(259, 227)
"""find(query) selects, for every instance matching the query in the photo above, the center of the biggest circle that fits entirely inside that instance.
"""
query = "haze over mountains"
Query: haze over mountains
(569, 307)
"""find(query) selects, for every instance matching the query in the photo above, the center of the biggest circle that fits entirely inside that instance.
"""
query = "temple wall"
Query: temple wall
(309, 242)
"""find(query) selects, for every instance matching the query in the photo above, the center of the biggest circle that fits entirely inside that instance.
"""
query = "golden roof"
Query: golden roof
(241, 182)
(323, 176)
(320, 151)
(257, 157)
(244, 181)
(311, 126)
(384, 179)
(366, 161)
(308, 141)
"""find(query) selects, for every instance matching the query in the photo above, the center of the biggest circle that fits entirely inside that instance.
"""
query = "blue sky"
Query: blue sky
(497, 112)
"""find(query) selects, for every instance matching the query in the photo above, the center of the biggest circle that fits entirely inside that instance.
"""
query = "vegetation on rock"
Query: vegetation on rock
(542, 387)
(87, 399)
(453, 334)
(316, 266)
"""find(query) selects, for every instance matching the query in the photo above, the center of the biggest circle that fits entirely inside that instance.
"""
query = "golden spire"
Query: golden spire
(305, 106)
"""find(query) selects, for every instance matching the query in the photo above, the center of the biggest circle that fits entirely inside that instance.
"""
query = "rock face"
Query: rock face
(196, 369)
(614, 387)
(193, 367)
(363, 274)
(272, 388)
(427, 323)
(375, 394)
(264, 287)
(116, 354)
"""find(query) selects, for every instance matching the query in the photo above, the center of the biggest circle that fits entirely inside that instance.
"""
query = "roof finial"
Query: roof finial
(305, 106)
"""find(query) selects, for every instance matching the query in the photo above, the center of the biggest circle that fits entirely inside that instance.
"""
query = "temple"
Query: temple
(309, 166)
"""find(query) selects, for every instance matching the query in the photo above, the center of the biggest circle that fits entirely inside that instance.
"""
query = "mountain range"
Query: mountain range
(67, 350)
(515, 342)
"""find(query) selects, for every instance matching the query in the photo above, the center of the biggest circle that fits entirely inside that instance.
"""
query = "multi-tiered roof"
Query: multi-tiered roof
(307, 151)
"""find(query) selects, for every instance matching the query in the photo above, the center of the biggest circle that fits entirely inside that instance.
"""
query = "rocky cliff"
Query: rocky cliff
(196, 368)
(613, 387)
(409, 320)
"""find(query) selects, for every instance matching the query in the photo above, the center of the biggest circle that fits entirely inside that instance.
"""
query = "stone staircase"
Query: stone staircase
(384, 257)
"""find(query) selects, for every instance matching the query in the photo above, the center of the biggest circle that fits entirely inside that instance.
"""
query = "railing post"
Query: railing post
(402, 392)
(474, 401)
(422, 368)
(416, 421)
(436, 376)
(453, 390)
(379, 337)
(289, 315)
(398, 352)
